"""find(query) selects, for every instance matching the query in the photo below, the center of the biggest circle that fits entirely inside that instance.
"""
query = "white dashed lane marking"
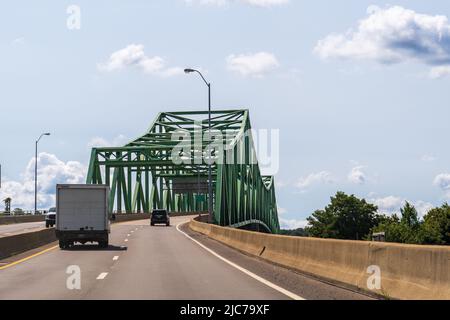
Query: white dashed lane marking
(102, 275)
(115, 258)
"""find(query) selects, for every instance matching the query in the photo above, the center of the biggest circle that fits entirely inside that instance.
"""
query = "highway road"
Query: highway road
(9, 229)
(144, 262)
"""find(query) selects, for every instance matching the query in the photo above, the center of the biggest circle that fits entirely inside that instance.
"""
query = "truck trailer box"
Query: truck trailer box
(82, 214)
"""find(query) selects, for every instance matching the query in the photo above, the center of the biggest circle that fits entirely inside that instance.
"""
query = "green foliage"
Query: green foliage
(405, 229)
(436, 226)
(300, 232)
(346, 217)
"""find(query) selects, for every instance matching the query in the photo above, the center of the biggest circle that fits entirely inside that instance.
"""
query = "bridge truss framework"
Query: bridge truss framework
(164, 169)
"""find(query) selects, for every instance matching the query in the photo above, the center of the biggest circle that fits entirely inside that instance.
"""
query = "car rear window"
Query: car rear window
(159, 212)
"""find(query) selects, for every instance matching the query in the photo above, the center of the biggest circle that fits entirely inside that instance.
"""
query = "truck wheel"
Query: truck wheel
(47, 225)
(152, 224)
(62, 244)
(168, 224)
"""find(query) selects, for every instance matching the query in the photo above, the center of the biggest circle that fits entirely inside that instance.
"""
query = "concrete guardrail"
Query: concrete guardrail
(21, 219)
(22, 242)
(406, 271)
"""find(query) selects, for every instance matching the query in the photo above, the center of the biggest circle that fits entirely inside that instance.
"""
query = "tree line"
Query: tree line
(348, 217)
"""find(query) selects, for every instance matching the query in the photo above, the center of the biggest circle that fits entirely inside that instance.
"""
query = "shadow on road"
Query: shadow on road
(94, 247)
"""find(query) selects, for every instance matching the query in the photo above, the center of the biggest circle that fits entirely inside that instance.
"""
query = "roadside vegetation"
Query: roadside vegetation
(348, 217)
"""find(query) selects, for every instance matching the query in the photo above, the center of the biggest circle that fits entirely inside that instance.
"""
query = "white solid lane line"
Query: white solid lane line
(115, 258)
(102, 275)
(247, 272)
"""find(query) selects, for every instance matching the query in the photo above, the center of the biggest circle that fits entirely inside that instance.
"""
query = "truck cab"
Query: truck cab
(50, 218)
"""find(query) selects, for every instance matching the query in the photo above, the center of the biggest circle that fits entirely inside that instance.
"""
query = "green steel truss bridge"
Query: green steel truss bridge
(164, 169)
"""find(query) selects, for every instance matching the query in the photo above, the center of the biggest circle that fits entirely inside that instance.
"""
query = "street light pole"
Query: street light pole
(210, 193)
(35, 170)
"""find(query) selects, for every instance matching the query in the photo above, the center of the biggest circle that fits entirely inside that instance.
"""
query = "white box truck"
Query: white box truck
(82, 214)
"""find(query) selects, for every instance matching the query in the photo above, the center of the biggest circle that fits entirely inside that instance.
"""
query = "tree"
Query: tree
(436, 226)
(346, 217)
(410, 217)
(395, 230)
(300, 232)
(434, 229)
(7, 202)
(406, 229)
(322, 224)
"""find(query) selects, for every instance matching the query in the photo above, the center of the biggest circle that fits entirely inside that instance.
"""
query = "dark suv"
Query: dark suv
(50, 218)
(160, 216)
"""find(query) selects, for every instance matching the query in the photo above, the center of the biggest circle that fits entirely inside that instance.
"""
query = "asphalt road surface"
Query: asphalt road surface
(9, 229)
(144, 262)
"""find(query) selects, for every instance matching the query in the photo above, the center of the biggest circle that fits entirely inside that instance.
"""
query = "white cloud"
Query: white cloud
(281, 210)
(256, 3)
(323, 177)
(422, 207)
(173, 71)
(134, 56)
(388, 204)
(256, 65)
(18, 41)
(357, 175)
(292, 224)
(442, 181)
(439, 72)
(391, 204)
(279, 183)
(428, 158)
(100, 142)
(393, 35)
(51, 171)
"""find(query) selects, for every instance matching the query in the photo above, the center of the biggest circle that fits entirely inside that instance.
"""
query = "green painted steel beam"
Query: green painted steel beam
(143, 171)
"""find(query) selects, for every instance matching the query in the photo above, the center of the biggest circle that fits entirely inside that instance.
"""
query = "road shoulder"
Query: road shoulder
(300, 284)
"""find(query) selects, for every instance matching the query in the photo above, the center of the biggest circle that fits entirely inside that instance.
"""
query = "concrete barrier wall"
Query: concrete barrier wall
(120, 217)
(22, 242)
(407, 271)
(21, 219)
(19, 243)
(142, 216)
(131, 217)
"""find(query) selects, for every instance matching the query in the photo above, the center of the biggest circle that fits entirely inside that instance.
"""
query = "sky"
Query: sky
(358, 91)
